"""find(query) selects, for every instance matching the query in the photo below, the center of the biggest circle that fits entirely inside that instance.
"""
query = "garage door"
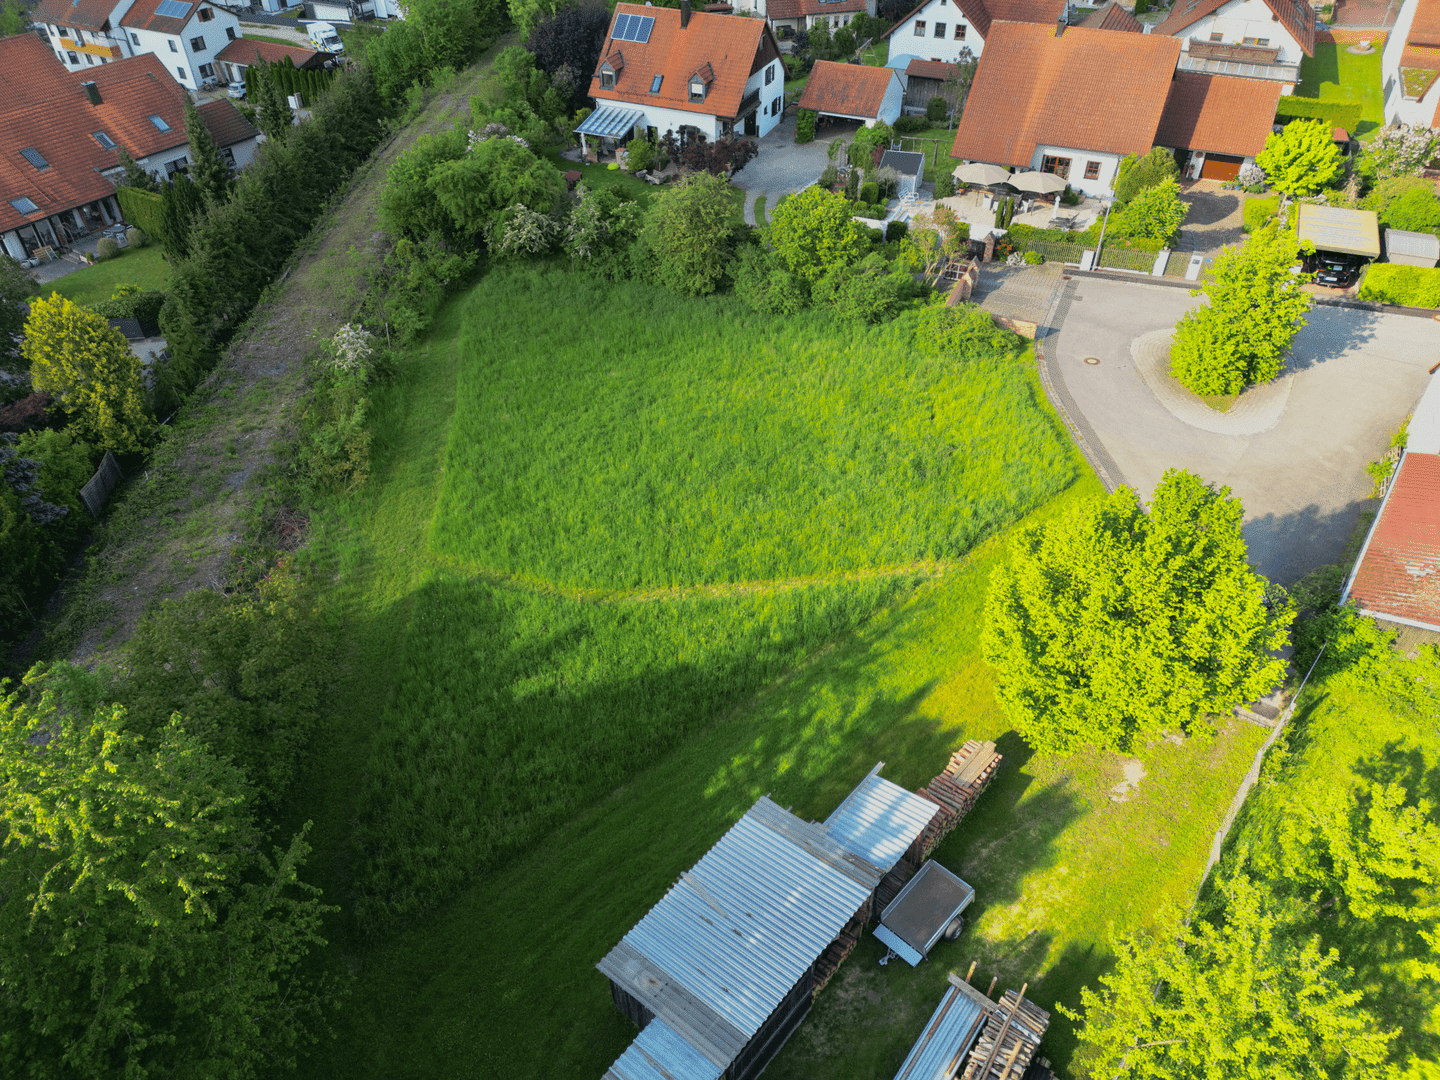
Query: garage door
(1220, 167)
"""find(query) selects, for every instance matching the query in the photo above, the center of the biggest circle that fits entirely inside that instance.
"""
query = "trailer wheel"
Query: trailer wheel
(955, 929)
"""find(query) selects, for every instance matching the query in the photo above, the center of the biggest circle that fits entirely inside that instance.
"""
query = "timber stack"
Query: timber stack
(1012, 1033)
(955, 791)
(836, 952)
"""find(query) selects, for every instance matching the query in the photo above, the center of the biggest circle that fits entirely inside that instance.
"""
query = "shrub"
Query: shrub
(945, 186)
(640, 154)
(813, 234)
(895, 231)
(1400, 150)
(1070, 197)
(1034, 258)
(1138, 173)
(1259, 211)
(870, 192)
(30, 413)
(909, 125)
(829, 178)
(877, 236)
(1345, 114)
(805, 125)
(107, 248)
(1156, 213)
(143, 209)
(936, 110)
(135, 238)
(765, 285)
(868, 292)
(1417, 210)
(963, 331)
(1302, 159)
(888, 180)
(1409, 286)
(141, 306)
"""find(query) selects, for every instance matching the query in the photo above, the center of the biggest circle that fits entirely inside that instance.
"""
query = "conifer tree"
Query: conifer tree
(182, 204)
(274, 111)
(135, 175)
(208, 171)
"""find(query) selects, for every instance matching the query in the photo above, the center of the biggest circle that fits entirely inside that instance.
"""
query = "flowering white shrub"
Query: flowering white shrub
(1401, 149)
(528, 232)
(1251, 174)
(350, 349)
(493, 131)
(1015, 258)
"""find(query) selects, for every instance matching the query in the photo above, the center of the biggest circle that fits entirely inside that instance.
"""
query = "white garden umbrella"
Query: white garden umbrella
(1038, 182)
(983, 175)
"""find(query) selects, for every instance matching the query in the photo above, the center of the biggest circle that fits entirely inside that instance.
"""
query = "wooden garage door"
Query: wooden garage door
(1220, 167)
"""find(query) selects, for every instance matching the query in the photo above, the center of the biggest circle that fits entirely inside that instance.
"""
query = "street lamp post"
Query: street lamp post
(1100, 243)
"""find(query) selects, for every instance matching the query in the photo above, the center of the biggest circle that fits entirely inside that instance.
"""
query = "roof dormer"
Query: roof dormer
(611, 67)
(700, 82)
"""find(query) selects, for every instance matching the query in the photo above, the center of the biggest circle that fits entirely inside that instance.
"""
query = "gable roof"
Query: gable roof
(27, 70)
(1112, 17)
(733, 47)
(1296, 16)
(85, 14)
(1398, 575)
(847, 89)
(981, 13)
(247, 51)
(929, 69)
(1218, 114)
(226, 124)
(144, 15)
(1033, 88)
(794, 9)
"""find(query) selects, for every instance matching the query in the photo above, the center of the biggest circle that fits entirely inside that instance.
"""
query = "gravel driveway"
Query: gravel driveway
(783, 167)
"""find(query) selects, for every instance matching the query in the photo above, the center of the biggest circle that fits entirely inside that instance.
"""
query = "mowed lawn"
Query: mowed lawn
(1333, 74)
(791, 687)
(145, 267)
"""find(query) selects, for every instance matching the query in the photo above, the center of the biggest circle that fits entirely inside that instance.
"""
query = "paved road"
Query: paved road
(1302, 481)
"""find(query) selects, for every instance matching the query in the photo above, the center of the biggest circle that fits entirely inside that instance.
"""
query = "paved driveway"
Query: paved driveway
(1302, 480)
(783, 167)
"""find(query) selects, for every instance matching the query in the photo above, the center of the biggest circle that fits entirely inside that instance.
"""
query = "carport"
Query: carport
(1335, 229)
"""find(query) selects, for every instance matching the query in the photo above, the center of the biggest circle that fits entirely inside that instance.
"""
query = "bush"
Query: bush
(1138, 173)
(1259, 211)
(640, 154)
(945, 185)
(141, 306)
(1345, 114)
(805, 125)
(868, 292)
(143, 209)
(829, 178)
(1409, 286)
(1156, 213)
(135, 238)
(1417, 210)
(765, 285)
(936, 109)
(964, 331)
(895, 231)
(877, 236)
(107, 248)
(870, 192)
(1070, 197)
(1034, 258)
(910, 125)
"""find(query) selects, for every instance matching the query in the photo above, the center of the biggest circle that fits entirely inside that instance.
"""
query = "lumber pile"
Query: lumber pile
(1012, 1033)
(835, 953)
(891, 884)
(955, 791)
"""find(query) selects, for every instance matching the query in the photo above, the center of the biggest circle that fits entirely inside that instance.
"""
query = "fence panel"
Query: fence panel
(98, 489)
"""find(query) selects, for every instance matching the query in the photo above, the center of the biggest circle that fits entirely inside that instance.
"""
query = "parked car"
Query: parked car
(237, 91)
(324, 37)
(1338, 271)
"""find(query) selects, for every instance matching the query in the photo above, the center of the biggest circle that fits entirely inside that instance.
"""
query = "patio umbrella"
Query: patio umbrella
(981, 174)
(1038, 182)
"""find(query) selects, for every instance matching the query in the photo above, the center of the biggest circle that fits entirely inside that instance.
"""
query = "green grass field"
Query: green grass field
(145, 267)
(1333, 74)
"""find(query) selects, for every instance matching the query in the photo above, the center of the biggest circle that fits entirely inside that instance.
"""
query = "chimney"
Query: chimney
(684, 14)
(92, 92)
(1060, 26)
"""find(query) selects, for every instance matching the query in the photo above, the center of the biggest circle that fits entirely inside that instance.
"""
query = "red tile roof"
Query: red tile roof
(1085, 90)
(929, 69)
(1112, 17)
(247, 50)
(143, 16)
(981, 13)
(28, 70)
(847, 89)
(793, 9)
(225, 123)
(1296, 16)
(733, 46)
(86, 14)
(1399, 572)
(1218, 114)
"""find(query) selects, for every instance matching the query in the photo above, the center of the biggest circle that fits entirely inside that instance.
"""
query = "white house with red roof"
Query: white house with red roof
(941, 30)
(1248, 39)
(1410, 65)
(186, 35)
(808, 14)
(690, 72)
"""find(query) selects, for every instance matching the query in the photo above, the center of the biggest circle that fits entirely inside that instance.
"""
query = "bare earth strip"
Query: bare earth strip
(178, 523)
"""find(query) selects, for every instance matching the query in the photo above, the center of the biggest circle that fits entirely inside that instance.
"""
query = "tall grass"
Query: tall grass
(612, 436)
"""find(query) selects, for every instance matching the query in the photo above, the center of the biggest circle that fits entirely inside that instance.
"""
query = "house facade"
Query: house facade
(940, 30)
(1410, 65)
(186, 36)
(693, 73)
(239, 54)
(1217, 124)
(1251, 39)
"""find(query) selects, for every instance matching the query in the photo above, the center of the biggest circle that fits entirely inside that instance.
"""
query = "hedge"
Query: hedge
(1345, 114)
(144, 210)
(1260, 210)
(1410, 286)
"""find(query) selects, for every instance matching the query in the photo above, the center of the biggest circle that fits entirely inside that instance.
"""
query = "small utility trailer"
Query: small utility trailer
(926, 910)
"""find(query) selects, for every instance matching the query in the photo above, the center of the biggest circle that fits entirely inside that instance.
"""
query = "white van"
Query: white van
(324, 38)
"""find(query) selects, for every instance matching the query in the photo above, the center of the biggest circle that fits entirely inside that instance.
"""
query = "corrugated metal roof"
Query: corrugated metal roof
(1399, 573)
(609, 122)
(1333, 228)
(946, 1038)
(879, 820)
(1424, 430)
(658, 1053)
(1418, 244)
(731, 938)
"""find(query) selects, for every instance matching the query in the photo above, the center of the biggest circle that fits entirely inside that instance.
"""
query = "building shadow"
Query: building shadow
(1285, 547)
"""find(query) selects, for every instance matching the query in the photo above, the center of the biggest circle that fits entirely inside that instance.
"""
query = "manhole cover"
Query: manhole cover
(1092, 360)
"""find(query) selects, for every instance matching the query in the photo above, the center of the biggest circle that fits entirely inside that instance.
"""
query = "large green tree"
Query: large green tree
(16, 288)
(690, 233)
(1113, 624)
(208, 170)
(1244, 333)
(1155, 213)
(14, 19)
(1243, 998)
(1137, 173)
(1302, 159)
(813, 233)
(143, 933)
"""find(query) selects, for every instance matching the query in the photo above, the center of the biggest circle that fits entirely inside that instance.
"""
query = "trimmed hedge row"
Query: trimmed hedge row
(144, 210)
(1345, 114)
(1409, 286)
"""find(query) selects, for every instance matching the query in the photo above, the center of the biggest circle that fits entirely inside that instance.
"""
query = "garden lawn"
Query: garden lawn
(667, 443)
(1333, 74)
(597, 177)
(145, 267)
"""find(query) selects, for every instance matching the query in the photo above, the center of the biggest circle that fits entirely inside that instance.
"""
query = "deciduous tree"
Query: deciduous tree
(14, 19)
(1155, 213)
(1302, 159)
(1138, 173)
(571, 40)
(74, 353)
(16, 289)
(1113, 624)
(1255, 309)
(813, 233)
(690, 233)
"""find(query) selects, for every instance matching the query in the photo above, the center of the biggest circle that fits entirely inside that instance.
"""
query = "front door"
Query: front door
(752, 125)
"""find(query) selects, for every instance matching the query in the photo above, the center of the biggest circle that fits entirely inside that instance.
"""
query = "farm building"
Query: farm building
(725, 966)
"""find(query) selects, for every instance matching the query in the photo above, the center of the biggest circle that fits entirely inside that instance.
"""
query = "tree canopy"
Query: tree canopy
(1138, 173)
(813, 233)
(1302, 159)
(690, 233)
(1114, 623)
(1155, 213)
(567, 47)
(1256, 308)
(208, 170)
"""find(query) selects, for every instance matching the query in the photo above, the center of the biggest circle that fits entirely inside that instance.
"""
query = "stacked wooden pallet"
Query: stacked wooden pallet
(836, 952)
(1012, 1033)
(955, 791)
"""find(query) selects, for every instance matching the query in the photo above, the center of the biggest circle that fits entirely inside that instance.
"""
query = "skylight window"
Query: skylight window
(159, 122)
(655, 84)
(34, 157)
(105, 140)
(24, 205)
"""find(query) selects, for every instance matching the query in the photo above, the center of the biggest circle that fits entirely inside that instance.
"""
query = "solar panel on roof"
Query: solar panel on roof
(173, 9)
(35, 158)
(622, 28)
(641, 33)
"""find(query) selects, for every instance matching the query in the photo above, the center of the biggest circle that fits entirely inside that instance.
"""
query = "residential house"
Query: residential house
(1410, 65)
(186, 35)
(1218, 123)
(854, 92)
(1112, 16)
(239, 54)
(788, 16)
(691, 72)
(940, 30)
(1069, 101)
(60, 140)
(1249, 39)
(349, 11)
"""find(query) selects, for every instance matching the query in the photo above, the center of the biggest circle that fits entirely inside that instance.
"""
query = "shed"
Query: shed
(1335, 229)
(911, 168)
(1412, 248)
(946, 1037)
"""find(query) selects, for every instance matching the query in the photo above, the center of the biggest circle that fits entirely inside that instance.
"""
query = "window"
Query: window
(697, 89)
(197, 44)
(207, 71)
(73, 58)
(607, 80)
(769, 74)
(230, 32)
(89, 60)
(959, 31)
(105, 140)
(1060, 166)
(1092, 170)
(134, 38)
(940, 29)
(655, 83)
(229, 156)
(171, 43)
(206, 14)
(1256, 41)
(24, 205)
(34, 157)
(60, 55)
(919, 27)
(184, 75)
(1217, 37)
(160, 124)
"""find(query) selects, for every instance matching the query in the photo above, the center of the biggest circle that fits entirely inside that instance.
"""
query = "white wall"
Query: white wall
(1240, 19)
(89, 37)
(905, 46)
(771, 96)
(1397, 109)
(155, 163)
(184, 63)
(1109, 163)
(891, 104)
